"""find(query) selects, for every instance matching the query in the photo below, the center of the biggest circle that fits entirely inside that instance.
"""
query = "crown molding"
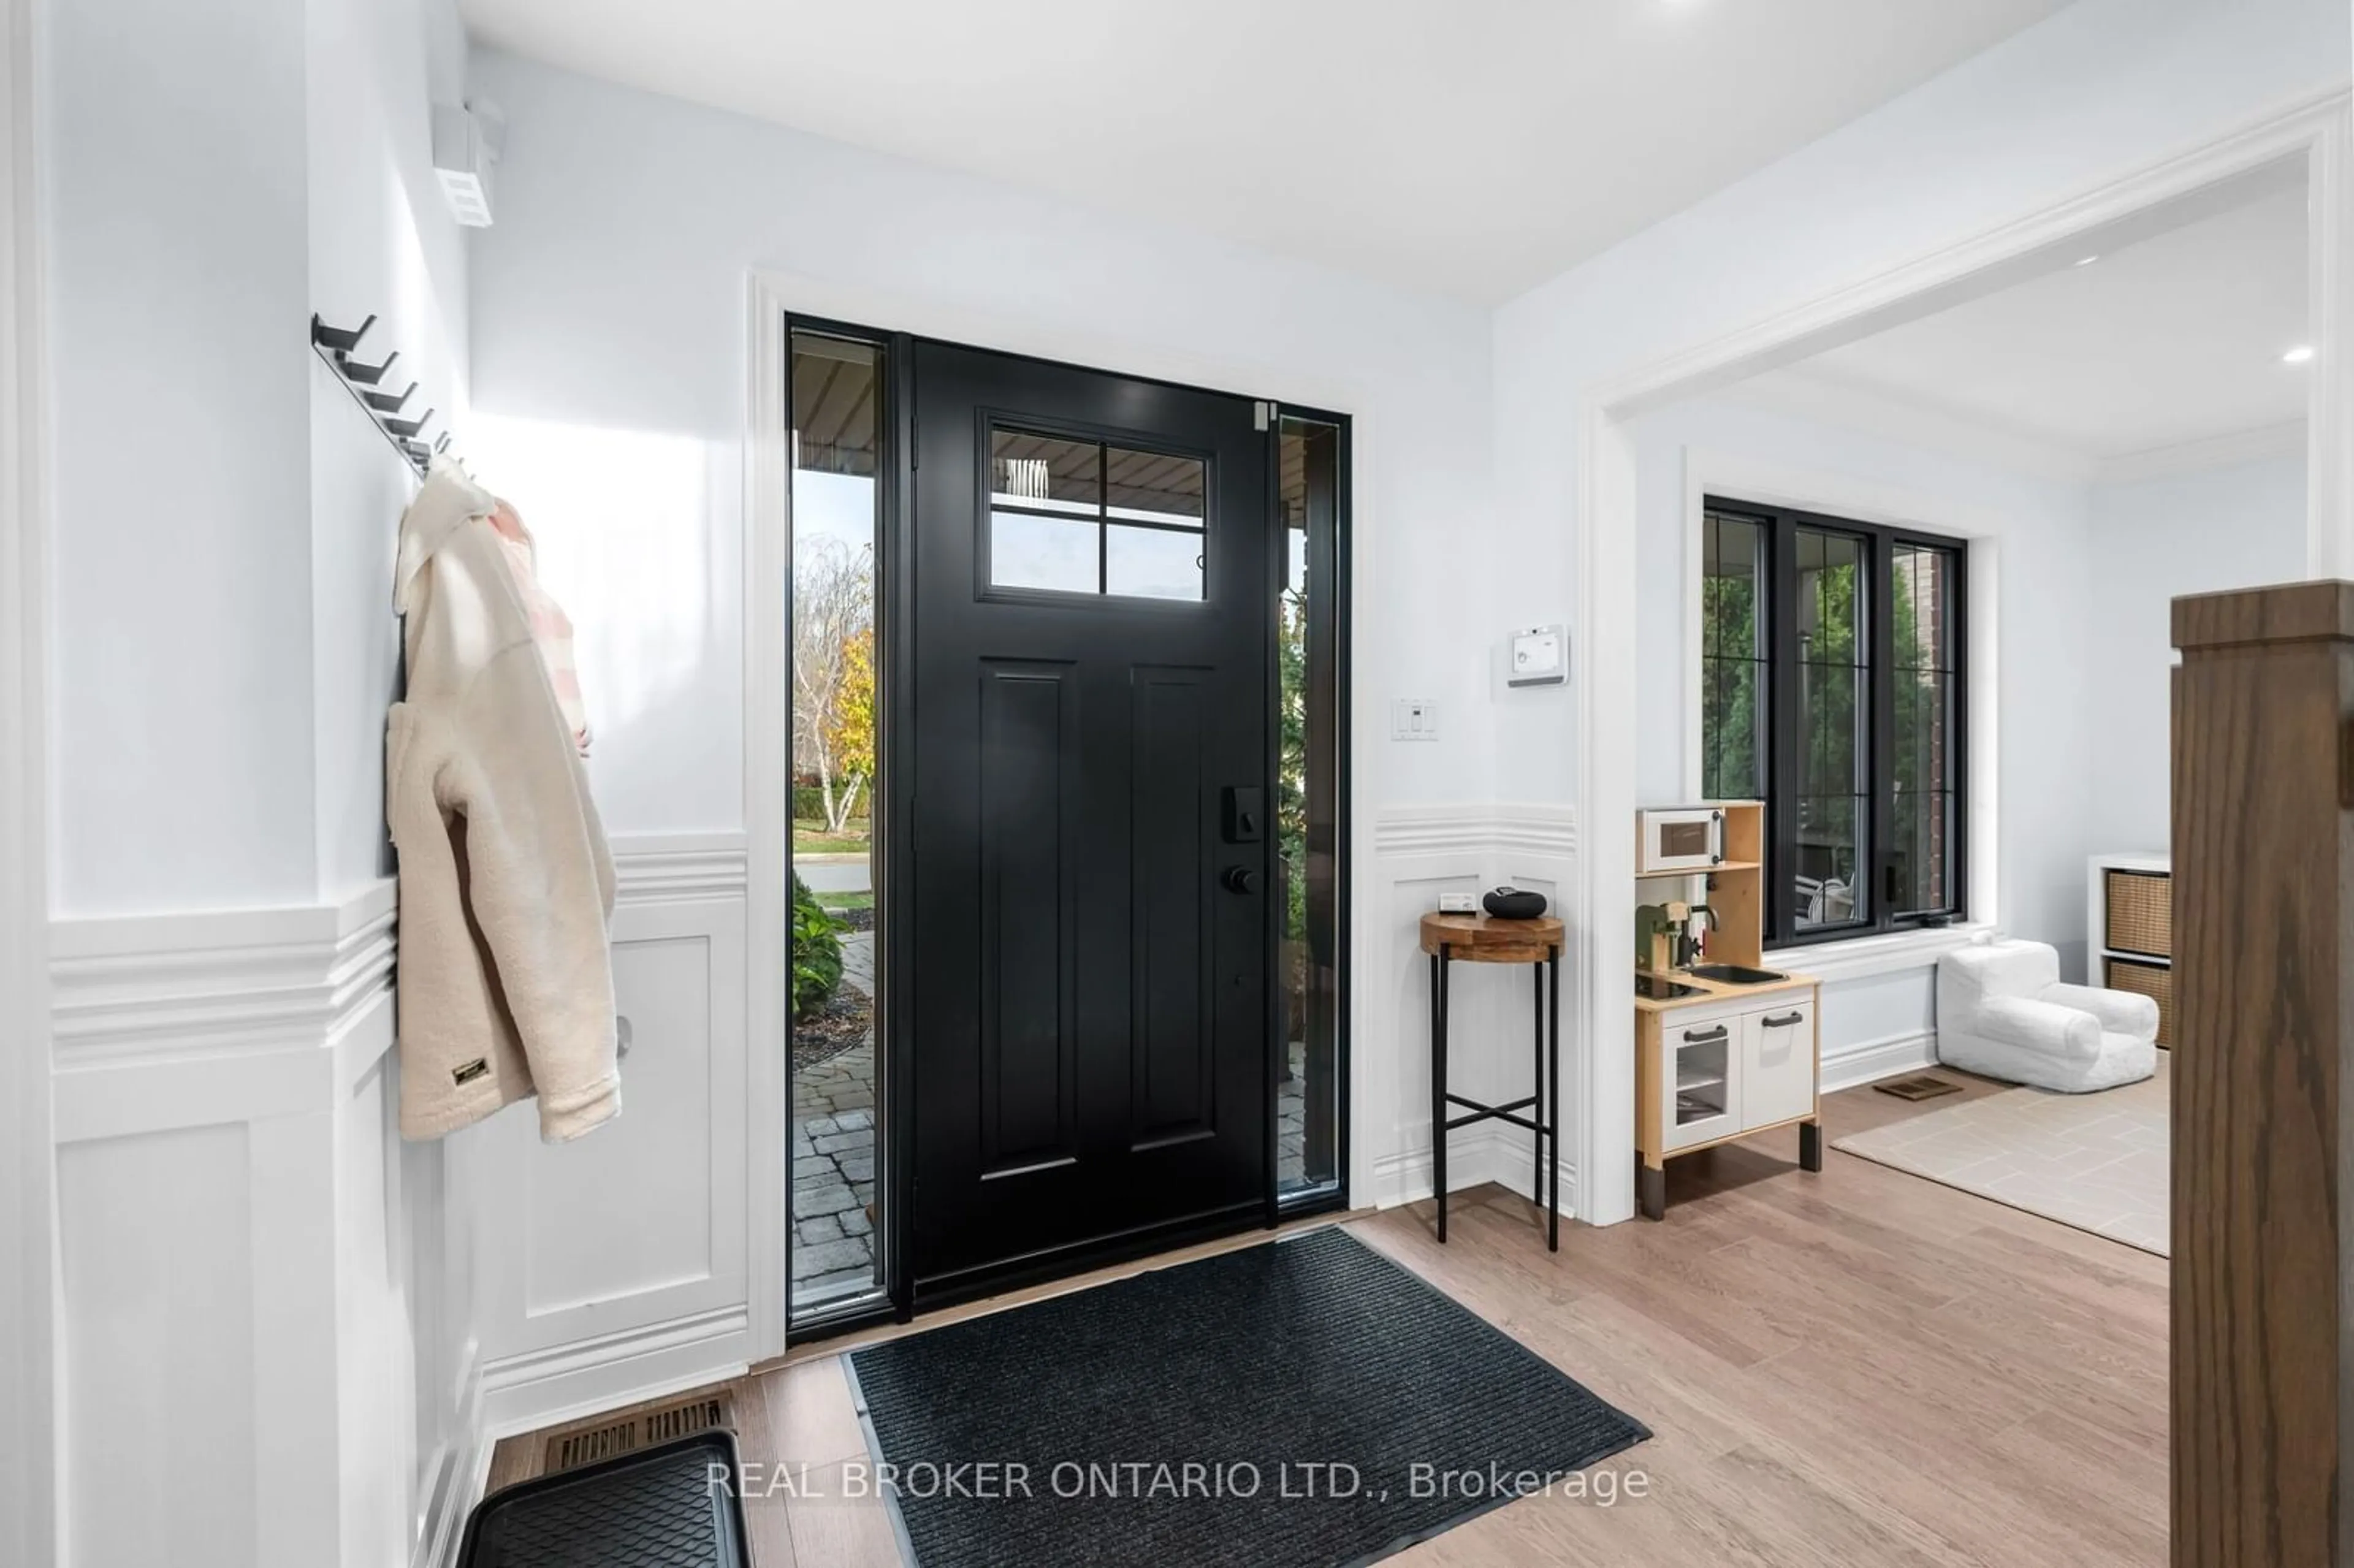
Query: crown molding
(2262, 444)
(1892, 415)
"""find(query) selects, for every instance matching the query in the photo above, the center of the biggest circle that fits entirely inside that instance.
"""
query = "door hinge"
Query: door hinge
(1262, 415)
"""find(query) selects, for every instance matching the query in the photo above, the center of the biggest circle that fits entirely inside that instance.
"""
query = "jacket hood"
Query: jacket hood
(447, 500)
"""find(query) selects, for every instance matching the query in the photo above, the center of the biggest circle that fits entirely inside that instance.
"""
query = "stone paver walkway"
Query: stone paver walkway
(834, 1157)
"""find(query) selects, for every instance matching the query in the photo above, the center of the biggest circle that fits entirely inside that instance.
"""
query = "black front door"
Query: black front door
(1093, 571)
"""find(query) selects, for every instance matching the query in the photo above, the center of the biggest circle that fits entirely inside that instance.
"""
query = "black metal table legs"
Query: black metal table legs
(1542, 1104)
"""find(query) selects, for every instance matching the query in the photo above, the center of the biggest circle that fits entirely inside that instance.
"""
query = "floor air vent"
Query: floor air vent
(643, 1428)
(1926, 1086)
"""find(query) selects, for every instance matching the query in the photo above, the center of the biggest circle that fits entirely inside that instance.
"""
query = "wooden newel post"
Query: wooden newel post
(2264, 933)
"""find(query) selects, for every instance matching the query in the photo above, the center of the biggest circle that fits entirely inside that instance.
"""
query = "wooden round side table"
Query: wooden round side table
(1484, 939)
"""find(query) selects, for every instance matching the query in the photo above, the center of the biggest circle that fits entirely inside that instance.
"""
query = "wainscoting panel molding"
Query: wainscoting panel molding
(573, 1321)
(249, 1250)
(1421, 851)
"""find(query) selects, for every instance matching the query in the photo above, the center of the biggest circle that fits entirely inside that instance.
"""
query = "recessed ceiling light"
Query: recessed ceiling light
(2297, 355)
(2086, 260)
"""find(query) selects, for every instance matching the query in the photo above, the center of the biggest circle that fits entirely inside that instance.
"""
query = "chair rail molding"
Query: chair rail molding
(649, 867)
(226, 1129)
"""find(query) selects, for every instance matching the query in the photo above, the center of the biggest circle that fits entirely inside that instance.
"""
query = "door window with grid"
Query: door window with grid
(1832, 685)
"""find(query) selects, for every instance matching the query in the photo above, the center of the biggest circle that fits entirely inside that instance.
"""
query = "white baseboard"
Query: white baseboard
(1877, 1059)
(461, 1473)
(1472, 1160)
(547, 1387)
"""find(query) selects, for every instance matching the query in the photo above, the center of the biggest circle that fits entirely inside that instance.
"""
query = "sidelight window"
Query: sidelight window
(1308, 650)
(838, 389)
(1087, 517)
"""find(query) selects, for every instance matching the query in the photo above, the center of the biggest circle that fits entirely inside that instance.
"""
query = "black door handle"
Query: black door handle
(1240, 879)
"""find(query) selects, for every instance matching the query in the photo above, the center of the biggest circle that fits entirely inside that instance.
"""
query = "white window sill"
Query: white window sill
(1886, 952)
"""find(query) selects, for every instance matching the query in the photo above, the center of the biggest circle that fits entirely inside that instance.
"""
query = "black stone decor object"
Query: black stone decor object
(674, 1506)
(1304, 1403)
(1514, 904)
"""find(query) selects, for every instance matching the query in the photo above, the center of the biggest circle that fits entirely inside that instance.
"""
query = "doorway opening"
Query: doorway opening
(1069, 689)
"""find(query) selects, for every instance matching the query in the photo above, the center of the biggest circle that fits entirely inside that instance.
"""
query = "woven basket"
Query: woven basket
(2153, 980)
(2140, 912)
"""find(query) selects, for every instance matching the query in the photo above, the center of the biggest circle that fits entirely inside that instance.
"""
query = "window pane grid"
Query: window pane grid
(1843, 644)
(1922, 791)
(1089, 518)
(1735, 662)
(1834, 808)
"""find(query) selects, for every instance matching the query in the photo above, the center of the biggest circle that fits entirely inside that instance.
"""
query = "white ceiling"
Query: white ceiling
(1466, 148)
(2174, 340)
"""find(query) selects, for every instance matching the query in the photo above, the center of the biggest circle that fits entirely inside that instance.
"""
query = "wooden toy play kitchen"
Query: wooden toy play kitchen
(1724, 1047)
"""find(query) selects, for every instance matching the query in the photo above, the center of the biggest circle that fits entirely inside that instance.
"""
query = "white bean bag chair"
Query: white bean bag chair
(2003, 1012)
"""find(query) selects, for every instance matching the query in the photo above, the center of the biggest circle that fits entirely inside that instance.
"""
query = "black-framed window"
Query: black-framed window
(1833, 688)
(1087, 517)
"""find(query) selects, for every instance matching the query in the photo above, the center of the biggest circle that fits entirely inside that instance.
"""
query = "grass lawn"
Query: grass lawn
(840, 900)
(810, 838)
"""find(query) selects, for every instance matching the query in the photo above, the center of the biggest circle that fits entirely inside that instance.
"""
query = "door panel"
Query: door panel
(1029, 1033)
(1093, 573)
(1175, 1002)
(1777, 1068)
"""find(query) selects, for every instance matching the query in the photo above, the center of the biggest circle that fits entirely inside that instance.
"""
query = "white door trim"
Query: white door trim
(28, 1476)
(767, 691)
(2315, 127)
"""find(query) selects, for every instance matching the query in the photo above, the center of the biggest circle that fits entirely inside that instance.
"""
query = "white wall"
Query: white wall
(223, 517)
(381, 241)
(2101, 90)
(611, 335)
(247, 1250)
(2241, 527)
(2037, 532)
(2042, 660)
(178, 290)
(610, 331)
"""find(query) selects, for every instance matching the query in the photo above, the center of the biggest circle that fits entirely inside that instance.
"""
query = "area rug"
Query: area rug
(2096, 1161)
(1306, 1401)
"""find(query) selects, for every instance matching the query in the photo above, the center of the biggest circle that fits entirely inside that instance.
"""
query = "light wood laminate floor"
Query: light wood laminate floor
(1857, 1368)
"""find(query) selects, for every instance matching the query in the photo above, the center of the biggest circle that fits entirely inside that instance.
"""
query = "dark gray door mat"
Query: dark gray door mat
(671, 1507)
(1304, 1403)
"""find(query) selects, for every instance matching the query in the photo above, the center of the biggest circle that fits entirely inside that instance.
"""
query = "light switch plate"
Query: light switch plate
(1414, 718)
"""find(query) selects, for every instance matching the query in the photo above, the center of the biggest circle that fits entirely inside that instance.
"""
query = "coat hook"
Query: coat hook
(366, 374)
(409, 428)
(336, 338)
(387, 402)
(443, 444)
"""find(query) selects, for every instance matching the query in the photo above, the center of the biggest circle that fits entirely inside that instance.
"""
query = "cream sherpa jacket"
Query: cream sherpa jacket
(506, 975)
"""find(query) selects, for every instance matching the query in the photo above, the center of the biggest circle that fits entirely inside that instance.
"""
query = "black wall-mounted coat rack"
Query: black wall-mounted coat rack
(367, 386)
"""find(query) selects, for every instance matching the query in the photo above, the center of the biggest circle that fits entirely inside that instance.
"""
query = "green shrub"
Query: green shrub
(816, 951)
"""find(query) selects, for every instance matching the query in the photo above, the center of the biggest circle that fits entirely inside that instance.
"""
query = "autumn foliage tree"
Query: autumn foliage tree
(850, 731)
(833, 672)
